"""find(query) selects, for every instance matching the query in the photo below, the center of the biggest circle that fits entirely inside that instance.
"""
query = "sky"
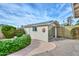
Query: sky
(27, 13)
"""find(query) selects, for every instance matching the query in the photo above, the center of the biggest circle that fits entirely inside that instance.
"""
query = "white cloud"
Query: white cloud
(26, 14)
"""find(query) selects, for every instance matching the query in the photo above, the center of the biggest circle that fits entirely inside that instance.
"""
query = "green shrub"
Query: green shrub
(29, 39)
(19, 32)
(10, 46)
(8, 31)
(75, 33)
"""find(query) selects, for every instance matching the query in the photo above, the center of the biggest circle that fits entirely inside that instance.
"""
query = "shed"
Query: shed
(42, 31)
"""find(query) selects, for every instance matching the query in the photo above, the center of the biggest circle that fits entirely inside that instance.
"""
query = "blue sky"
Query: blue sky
(23, 14)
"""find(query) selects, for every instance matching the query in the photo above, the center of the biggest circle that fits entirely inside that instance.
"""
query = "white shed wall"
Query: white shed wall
(38, 34)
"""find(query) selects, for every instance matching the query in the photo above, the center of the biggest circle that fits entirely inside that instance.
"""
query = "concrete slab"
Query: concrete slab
(67, 47)
(37, 46)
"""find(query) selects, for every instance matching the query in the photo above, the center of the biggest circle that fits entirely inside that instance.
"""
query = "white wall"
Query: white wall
(38, 34)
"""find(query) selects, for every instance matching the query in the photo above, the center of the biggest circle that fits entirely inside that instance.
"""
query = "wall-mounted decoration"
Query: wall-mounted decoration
(43, 30)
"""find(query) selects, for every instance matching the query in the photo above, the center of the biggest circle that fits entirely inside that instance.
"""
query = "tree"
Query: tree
(69, 21)
(77, 23)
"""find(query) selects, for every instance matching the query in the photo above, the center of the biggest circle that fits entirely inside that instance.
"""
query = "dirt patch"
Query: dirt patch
(2, 35)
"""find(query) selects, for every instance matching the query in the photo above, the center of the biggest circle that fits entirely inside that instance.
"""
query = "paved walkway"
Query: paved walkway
(63, 48)
(35, 47)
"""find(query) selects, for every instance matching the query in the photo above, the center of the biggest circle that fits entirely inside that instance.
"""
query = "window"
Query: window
(34, 28)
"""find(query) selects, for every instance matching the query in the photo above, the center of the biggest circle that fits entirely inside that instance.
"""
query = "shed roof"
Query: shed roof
(40, 24)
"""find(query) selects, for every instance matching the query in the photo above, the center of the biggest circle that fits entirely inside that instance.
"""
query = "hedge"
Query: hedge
(19, 32)
(10, 46)
(8, 31)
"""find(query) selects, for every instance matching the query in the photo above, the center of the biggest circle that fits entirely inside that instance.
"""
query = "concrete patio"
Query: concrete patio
(67, 47)
(36, 47)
